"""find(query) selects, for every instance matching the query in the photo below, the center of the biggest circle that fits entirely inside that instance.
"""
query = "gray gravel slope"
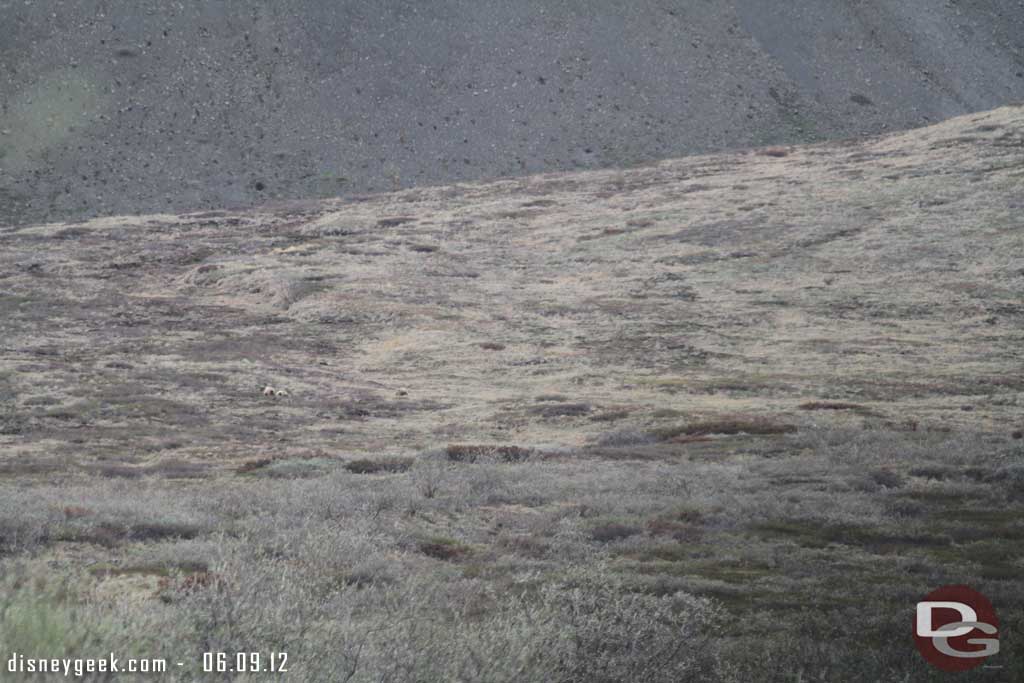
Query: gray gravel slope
(112, 107)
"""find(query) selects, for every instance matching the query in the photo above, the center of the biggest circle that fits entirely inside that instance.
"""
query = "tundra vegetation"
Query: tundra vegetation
(723, 419)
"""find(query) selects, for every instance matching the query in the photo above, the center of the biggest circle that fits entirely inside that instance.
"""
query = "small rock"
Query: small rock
(402, 392)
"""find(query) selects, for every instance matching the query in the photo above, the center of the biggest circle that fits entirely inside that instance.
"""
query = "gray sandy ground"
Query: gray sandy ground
(130, 107)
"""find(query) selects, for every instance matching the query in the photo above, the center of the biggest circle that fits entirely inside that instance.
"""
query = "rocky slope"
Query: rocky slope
(128, 107)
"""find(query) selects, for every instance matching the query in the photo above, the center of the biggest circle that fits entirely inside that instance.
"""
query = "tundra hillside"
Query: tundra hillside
(724, 418)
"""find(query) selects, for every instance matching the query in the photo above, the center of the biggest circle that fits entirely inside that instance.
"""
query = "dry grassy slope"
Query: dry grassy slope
(887, 274)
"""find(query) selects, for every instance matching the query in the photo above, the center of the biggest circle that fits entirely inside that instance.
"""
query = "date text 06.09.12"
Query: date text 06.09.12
(245, 662)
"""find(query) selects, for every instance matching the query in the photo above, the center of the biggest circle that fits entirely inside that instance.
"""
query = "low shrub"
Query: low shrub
(727, 425)
(613, 531)
(562, 410)
(442, 548)
(379, 466)
(473, 453)
(253, 465)
(887, 478)
(626, 437)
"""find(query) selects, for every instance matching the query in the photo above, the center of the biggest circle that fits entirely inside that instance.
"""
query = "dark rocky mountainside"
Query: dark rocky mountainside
(112, 107)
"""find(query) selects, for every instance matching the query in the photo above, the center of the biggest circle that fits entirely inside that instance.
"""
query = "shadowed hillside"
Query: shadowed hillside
(129, 107)
(772, 391)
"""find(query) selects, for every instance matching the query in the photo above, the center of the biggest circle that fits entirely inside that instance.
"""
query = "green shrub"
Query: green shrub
(39, 620)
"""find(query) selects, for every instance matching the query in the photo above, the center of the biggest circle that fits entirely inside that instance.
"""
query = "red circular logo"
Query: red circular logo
(956, 628)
